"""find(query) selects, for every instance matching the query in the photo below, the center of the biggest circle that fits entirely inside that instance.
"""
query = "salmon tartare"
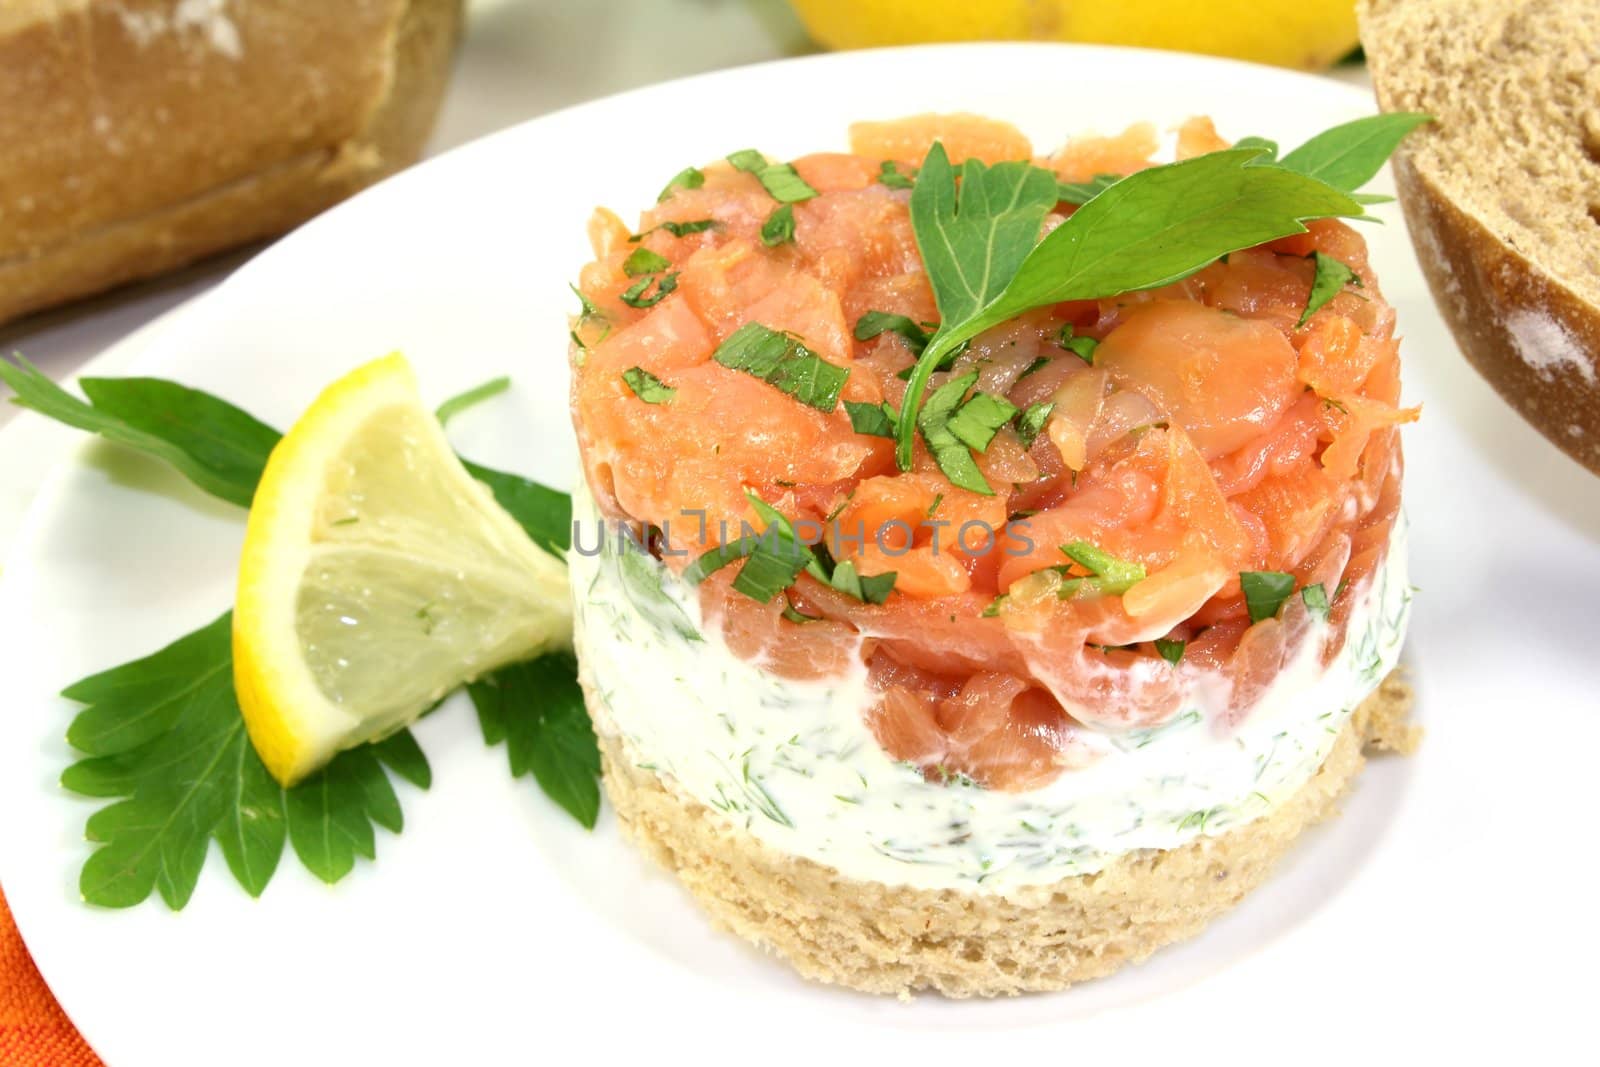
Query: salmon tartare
(921, 579)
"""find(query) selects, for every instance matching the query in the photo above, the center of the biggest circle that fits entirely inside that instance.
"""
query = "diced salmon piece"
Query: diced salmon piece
(1199, 135)
(1209, 433)
(963, 136)
(1222, 378)
(1087, 157)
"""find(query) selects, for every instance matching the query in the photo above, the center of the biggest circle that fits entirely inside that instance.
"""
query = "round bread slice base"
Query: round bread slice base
(881, 938)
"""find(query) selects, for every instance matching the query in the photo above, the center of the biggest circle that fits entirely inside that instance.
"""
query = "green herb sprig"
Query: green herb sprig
(162, 736)
(981, 249)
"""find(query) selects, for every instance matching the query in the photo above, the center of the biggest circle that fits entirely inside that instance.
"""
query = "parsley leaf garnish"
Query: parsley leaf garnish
(1082, 347)
(779, 227)
(1149, 229)
(867, 588)
(874, 323)
(1081, 193)
(1315, 598)
(1265, 592)
(1107, 574)
(1268, 147)
(775, 557)
(781, 361)
(537, 709)
(1170, 650)
(876, 420)
(164, 734)
(647, 386)
(949, 451)
(977, 421)
(643, 261)
(634, 295)
(1350, 155)
(889, 174)
(687, 178)
(677, 229)
(782, 182)
(1032, 422)
(1331, 278)
(218, 447)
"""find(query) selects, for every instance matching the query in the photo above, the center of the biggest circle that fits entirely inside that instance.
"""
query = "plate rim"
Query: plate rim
(146, 342)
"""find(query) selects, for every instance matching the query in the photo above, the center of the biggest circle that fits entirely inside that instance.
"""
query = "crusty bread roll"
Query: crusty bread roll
(139, 135)
(881, 938)
(1502, 193)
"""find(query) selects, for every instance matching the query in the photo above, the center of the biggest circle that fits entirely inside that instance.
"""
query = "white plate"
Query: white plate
(494, 930)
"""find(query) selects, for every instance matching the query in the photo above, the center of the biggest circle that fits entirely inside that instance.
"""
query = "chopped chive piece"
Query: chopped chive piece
(995, 605)
(938, 498)
(677, 229)
(783, 362)
(876, 420)
(1032, 421)
(1042, 361)
(889, 174)
(1110, 575)
(1171, 651)
(1082, 347)
(643, 261)
(476, 395)
(1081, 193)
(779, 227)
(748, 160)
(977, 421)
(634, 296)
(1331, 278)
(874, 323)
(948, 450)
(647, 386)
(687, 178)
(1316, 601)
(1265, 592)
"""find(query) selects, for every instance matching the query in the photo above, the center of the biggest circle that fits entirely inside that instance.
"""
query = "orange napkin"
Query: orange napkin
(34, 1031)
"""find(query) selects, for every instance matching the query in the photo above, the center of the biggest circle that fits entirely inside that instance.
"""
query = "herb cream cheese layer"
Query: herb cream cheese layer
(796, 763)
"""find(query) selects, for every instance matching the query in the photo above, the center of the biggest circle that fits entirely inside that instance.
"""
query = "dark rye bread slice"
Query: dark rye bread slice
(1502, 193)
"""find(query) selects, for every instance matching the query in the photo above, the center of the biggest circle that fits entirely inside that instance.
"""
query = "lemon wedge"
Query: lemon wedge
(377, 576)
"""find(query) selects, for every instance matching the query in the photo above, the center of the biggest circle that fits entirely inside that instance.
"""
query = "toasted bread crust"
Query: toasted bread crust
(1534, 340)
(137, 137)
(1502, 191)
(882, 938)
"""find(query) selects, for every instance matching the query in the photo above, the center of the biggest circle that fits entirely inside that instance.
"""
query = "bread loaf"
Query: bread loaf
(139, 135)
(1502, 193)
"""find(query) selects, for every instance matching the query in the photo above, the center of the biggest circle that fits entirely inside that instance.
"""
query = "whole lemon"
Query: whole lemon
(1310, 34)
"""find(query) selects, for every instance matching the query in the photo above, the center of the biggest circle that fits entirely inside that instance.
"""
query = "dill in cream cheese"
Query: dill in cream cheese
(797, 766)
